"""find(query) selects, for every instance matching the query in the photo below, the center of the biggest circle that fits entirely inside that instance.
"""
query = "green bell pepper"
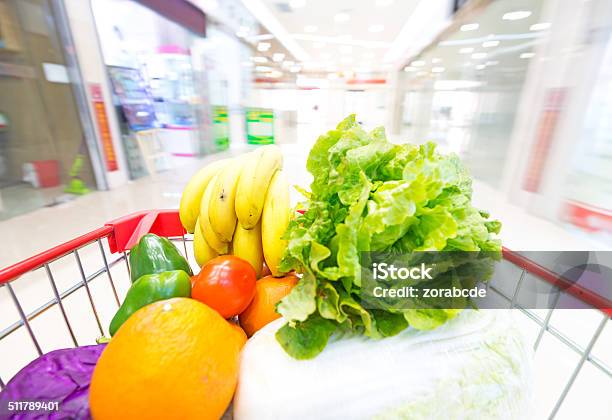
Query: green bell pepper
(148, 289)
(155, 254)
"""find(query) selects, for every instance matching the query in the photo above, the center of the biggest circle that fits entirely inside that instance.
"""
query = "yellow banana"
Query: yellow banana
(274, 221)
(189, 209)
(221, 210)
(254, 180)
(208, 233)
(247, 245)
(202, 251)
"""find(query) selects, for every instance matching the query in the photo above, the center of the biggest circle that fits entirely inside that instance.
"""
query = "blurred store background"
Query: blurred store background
(97, 94)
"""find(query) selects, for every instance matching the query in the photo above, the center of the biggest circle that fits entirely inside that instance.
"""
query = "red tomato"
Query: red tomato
(226, 284)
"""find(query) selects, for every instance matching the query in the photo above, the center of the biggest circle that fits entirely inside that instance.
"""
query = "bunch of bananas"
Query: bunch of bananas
(239, 206)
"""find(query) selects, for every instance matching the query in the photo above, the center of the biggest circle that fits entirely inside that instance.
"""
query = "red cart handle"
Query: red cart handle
(122, 234)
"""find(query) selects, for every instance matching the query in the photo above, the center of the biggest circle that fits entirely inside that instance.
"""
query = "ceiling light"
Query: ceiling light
(342, 17)
(288, 63)
(527, 55)
(469, 27)
(318, 44)
(437, 69)
(480, 67)
(295, 69)
(519, 14)
(436, 60)
(263, 68)
(310, 28)
(259, 59)
(539, 26)
(417, 63)
(479, 55)
(278, 57)
(489, 44)
(492, 63)
(466, 50)
(263, 46)
(297, 4)
(376, 28)
(410, 68)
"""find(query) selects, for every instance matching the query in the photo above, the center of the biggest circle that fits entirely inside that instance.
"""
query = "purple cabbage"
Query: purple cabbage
(60, 375)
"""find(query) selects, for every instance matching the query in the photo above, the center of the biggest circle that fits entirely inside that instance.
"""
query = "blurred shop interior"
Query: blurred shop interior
(95, 94)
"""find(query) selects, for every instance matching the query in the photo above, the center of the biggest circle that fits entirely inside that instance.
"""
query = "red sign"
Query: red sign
(102, 121)
(544, 138)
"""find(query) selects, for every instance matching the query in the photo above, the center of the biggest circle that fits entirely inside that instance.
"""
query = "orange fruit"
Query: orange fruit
(175, 358)
(239, 329)
(262, 309)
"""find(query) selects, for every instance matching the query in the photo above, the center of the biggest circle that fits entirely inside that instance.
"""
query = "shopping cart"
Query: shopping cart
(114, 240)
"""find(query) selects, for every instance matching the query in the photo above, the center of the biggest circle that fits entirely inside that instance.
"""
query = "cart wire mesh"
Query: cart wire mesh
(120, 234)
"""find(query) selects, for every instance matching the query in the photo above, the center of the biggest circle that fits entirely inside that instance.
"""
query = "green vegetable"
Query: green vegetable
(371, 195)
(155, 254)
(148, 289)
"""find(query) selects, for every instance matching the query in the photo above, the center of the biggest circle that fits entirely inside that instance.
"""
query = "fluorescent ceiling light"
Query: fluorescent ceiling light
(436, 60)
(539, 26)
(456, 84)
(259, 59)
(417, 63)
(466, 50)
(263, 46)
(527, 55)
(489, 44)
(342, 17)
(297, 4)
(288, 63)
(469, 27)
(376, 28)
(410, 68)
(437, 69)
(262, 13)
(492, 63)
(310, 28)
(517, 15)
(263, 68)
(479, 55)
(480, 67)
(278, 57)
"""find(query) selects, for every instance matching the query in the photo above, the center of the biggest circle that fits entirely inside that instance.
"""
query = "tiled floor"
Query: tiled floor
(36, 231)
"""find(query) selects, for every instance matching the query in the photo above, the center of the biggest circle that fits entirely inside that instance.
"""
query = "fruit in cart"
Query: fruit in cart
(201, 250)
(247, 245)
(262, 309)
(148, 289)
(221, 209)
(155, 254)
(174, 358)
(274, 222)
(253, 184)
(210, 236)
(59, 377)
(189, 208)
(226, 284)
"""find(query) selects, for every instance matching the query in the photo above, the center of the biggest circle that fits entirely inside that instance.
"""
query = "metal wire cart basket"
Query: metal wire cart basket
(76, 312)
